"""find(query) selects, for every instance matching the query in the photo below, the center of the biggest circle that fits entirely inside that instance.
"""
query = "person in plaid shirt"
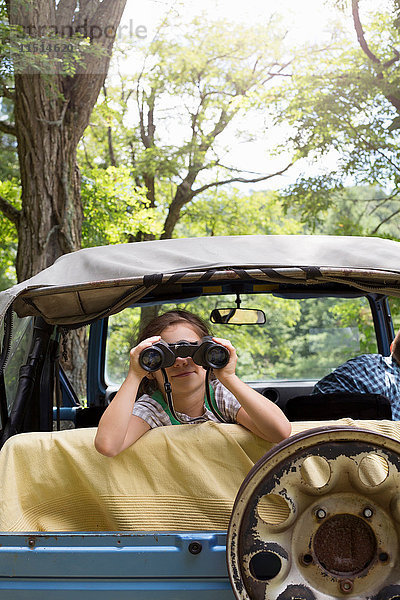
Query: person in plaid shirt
(368, 373)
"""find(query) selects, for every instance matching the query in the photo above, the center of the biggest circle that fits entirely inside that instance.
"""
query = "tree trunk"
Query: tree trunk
(51, 114)
(183, 195)
(50, 222)
(147, 314)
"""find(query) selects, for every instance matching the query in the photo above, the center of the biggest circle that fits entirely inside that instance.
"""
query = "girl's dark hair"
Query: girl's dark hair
(157, 325)
(161, 322)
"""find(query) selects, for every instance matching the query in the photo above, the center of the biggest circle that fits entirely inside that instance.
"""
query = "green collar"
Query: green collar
(158, 397)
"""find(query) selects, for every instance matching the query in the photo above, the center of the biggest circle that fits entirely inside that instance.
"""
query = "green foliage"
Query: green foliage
(343, 110)
(9, 167)
(41, 47)
(197, 80)
(328, 332)
(10, 191)
(327, 207)
(229, 212)
(123, 330)
(114, 208)
(394, 304)
(301, 339)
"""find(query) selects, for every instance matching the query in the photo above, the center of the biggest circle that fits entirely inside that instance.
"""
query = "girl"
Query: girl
(139, 405)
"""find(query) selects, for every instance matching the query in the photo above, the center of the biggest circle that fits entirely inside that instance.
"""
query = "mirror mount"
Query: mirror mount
(237, 316)
(238, 301)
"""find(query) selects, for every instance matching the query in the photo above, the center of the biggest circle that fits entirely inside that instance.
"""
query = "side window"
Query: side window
(329, 332)
(395, 312)
(123, 329)
(20, 344)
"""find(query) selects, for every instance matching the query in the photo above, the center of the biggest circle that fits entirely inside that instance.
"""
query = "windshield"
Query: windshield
(301, 338)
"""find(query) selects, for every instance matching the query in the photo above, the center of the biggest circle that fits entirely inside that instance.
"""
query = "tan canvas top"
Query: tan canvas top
(93, 282)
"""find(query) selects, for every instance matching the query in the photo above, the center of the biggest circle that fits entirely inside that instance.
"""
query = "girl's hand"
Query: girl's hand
(229, 369)
(134, 366)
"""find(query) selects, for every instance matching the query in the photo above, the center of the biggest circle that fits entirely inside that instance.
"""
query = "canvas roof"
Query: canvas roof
(93, 282)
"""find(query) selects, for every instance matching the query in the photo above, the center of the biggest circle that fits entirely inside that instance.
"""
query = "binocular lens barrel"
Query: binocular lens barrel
(151, 359)
(217, 357)
(206, 354)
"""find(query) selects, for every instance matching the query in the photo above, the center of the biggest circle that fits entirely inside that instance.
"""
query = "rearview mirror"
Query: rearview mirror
(238, 316)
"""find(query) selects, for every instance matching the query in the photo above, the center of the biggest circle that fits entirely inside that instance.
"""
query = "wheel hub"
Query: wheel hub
(319, 517)
(344, 545)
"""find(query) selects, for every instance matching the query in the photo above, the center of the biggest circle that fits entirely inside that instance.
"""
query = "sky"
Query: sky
(306, 19)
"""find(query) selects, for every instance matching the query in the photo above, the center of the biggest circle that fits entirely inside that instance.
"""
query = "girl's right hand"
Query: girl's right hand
(134, 366)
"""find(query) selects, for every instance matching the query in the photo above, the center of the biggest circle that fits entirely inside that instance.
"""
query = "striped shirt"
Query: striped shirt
(148, 409)
(369, 373)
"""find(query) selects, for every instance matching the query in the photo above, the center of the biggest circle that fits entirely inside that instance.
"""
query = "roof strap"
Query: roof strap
(312, 272)
(154, 279)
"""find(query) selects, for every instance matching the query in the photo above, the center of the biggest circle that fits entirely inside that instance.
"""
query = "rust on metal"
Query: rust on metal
(345, 544)
(338, 540)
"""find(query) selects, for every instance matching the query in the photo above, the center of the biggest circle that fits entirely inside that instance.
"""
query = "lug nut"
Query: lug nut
(383, 556)
(368, 512)
(320, 513)
(346, 586)
(306, 559)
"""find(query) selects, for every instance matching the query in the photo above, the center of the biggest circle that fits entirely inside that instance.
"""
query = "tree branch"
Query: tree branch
(396, 212)
(5, 92)
(9, 211)
(394, 100)
(111, 152)
(371, 146)
(239, 180)
(393, 60)
(219, 164)
(360, 33)
(84, 87)
(65, 12)
(381, 201)
(8, 128)
(87, 10)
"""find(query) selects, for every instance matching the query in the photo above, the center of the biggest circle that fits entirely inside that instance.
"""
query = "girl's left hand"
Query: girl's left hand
(229, 369)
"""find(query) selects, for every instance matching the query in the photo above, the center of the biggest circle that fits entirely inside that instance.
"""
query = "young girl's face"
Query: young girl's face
(184, 375)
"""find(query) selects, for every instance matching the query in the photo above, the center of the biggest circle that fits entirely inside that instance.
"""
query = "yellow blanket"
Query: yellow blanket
(173, 478)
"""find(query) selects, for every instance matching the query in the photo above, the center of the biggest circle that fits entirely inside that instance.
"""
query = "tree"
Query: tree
(9, 167)
(52, 108)
(347, 105)
(114, 207)
(228, 212)
(189, 93)
(61, 52)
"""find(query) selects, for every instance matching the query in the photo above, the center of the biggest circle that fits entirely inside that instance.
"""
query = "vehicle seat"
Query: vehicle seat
(89, 416)
(323, 407)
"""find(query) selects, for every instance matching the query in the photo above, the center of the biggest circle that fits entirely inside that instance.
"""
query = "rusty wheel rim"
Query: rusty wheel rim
(319, 517)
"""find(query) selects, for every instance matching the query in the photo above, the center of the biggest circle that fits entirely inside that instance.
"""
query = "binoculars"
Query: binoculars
(204, 353)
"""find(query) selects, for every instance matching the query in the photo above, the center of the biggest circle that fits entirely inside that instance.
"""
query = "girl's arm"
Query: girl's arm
(118, 427)
(257, 413)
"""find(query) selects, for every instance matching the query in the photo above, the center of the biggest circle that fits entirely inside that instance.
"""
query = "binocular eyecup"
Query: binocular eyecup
(205, 353)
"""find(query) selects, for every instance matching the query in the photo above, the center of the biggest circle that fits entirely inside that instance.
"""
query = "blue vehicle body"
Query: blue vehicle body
(147, 565)
(107, 565)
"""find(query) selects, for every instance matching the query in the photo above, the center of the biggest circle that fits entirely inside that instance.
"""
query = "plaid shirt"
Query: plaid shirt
(153, 413)
(369, 373)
